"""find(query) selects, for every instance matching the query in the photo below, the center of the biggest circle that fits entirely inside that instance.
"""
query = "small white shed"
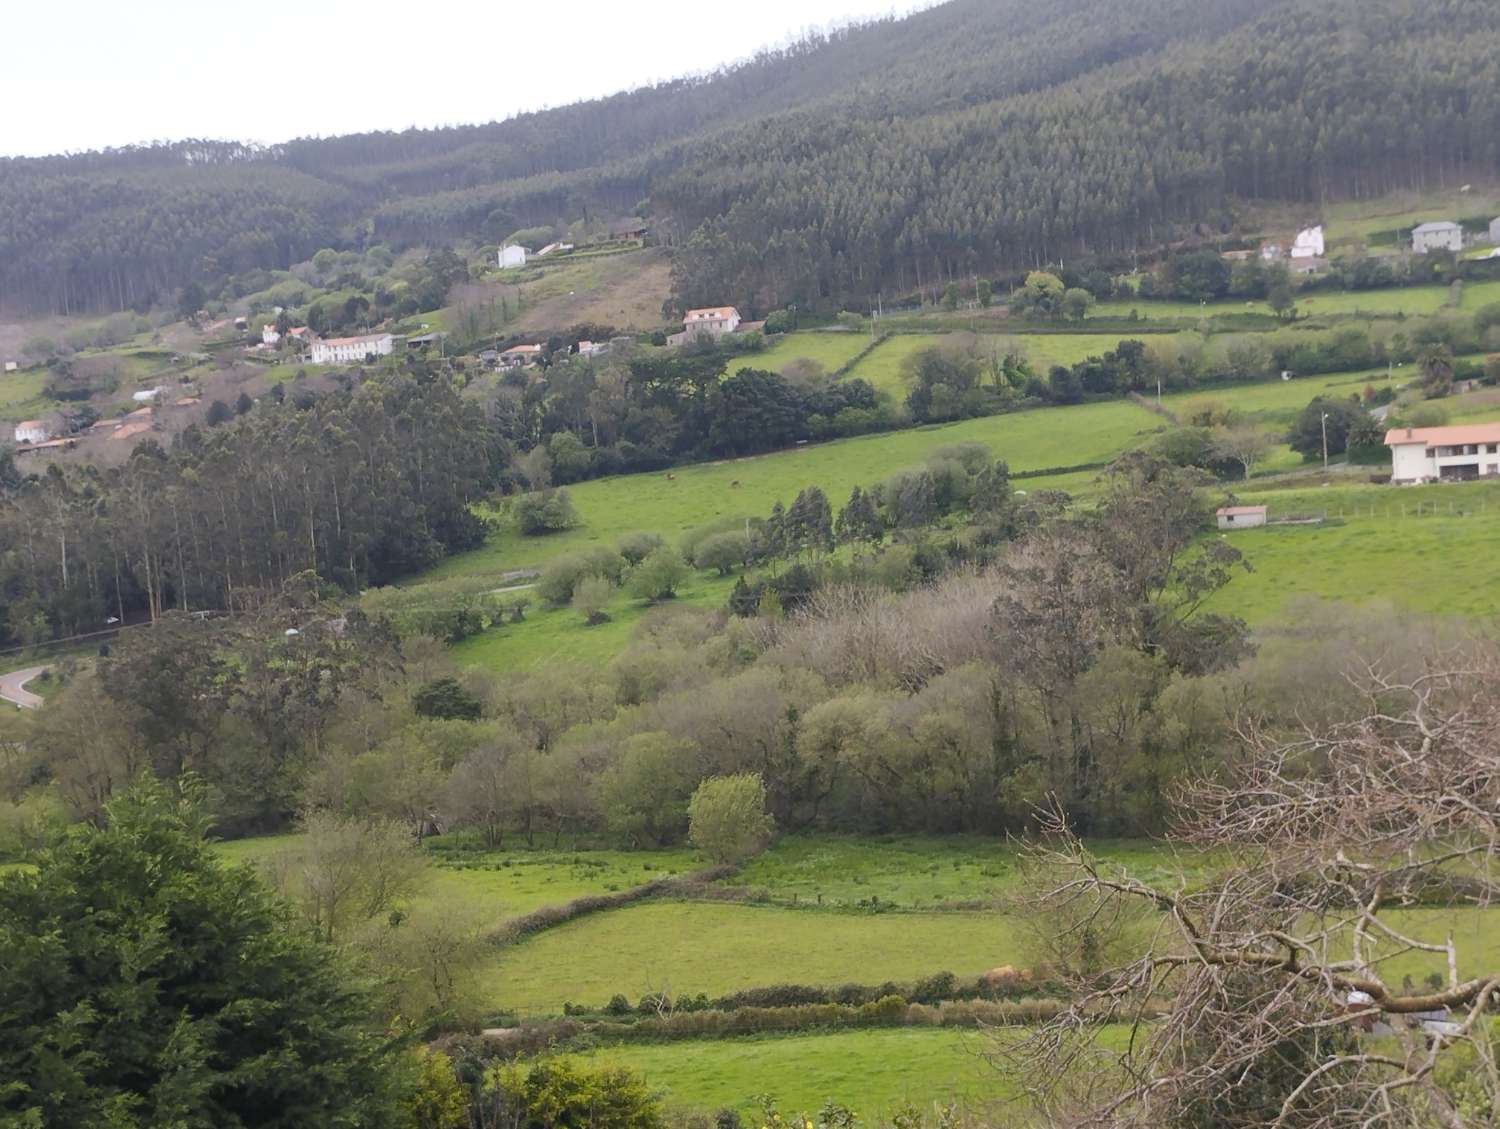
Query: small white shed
(512, 256)
(1241, 517)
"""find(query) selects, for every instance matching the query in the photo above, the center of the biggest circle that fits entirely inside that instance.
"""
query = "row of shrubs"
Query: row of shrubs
(688, 885)
(889, 1011)
(940, 987)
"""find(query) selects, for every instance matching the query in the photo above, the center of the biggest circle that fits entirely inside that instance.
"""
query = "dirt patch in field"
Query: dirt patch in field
(625, 291)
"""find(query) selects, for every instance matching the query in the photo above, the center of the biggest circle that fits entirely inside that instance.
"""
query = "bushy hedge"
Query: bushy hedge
(515, 928)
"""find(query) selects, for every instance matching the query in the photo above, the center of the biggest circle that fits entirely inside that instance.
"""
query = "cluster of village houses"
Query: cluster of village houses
(1418, 454)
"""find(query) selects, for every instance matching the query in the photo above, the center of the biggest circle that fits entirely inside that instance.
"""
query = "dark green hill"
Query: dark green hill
(978, 135)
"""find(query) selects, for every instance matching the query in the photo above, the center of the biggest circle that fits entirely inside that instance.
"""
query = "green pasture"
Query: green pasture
(504, 883)
(831, 350)
(1442, 565)
(918, 872)
(1272, 400)
(21, 393)
(560, 635)
(884, 368)
(673, 502)
(1412, 301)
(874, 1072)
(1478, 295)
(691, 947)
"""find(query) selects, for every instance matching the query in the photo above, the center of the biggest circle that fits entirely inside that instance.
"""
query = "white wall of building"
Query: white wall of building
(350, 350)
(512, 256)
(1440, 239)
(1309, 244)
(33, 431)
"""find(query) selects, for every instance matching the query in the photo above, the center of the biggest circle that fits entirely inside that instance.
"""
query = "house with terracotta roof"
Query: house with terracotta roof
(518, 355)
(351, 350)
(33, 431)
(1444, 454)
(713, 322)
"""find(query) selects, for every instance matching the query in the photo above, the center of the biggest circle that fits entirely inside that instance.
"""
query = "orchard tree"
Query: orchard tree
(659, 576)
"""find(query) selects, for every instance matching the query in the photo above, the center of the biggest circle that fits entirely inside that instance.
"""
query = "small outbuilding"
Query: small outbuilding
(1495, 230)
(1241, 517)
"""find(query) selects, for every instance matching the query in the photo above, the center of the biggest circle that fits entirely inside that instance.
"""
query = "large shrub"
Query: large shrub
(727, 818)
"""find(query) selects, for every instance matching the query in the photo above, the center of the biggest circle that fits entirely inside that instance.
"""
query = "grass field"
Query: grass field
(715, 948)
(503, 884)
(831, 350)
(1411, 301)
(918, 871)
(21, 393)
(884, 367)
(874, 1072)
(560, 635)
(1441, 565)
(696, 494)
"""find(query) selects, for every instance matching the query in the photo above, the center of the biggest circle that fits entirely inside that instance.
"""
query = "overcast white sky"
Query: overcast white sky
(86, 74)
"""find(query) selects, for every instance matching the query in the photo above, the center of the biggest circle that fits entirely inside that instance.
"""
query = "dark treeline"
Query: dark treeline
(971, 136)
(358, 487)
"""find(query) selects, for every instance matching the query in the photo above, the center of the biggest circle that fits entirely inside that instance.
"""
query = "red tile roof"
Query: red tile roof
(1456, 436)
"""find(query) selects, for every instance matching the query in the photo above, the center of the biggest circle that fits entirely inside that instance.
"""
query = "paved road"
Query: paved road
(13, 687)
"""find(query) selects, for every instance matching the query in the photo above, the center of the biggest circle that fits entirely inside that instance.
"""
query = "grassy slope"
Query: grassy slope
(696, 494)
(831, 350)
(1379, 551)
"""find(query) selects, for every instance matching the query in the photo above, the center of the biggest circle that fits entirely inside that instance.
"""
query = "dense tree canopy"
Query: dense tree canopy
(146, 984)
(891, 156)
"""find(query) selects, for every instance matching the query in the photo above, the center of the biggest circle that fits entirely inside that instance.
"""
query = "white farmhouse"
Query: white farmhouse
(269, 335)
(714, 322)
(33, 431)
(1241, 517)
(512, 256)
(1308, 244)
(1443, 235)
(1444, 454)
(351, 350)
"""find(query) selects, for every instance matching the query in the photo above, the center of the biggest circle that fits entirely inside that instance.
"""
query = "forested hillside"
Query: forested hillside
(978, 135)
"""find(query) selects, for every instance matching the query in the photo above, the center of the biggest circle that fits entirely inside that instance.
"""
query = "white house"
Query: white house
(1444, 454)
(33, 431)
(349, 350)
(1443, 235)
(714, 322)
(268, 335)
(592, 348)
(1495, 230)
(1241, 517)
(11, 366)
(1308, 244)
(512, 256)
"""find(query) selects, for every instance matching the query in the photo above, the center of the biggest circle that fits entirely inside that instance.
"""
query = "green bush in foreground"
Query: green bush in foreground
(147, 985)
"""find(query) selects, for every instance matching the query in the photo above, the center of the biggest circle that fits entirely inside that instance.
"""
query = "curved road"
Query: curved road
(13, 687)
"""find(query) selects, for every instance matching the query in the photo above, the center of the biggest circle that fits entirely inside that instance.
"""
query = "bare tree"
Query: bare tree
(1245, 445)
(1267, 994)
